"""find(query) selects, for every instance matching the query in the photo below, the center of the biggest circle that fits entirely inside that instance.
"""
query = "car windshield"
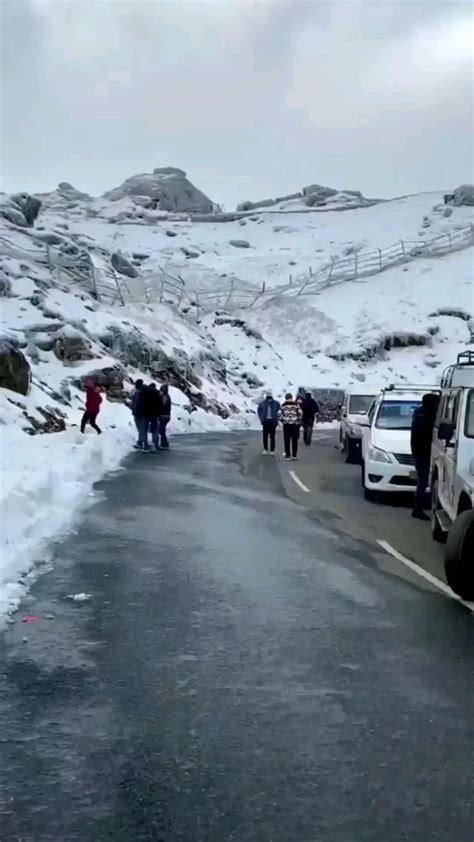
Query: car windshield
(396, 415)
(470, 415)
(359, 404)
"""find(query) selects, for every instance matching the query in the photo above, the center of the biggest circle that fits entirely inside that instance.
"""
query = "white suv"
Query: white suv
(452, 452)
(356, 404)
(387, 461)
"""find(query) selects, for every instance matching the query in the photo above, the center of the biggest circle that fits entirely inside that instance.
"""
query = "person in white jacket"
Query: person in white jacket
(291, 416)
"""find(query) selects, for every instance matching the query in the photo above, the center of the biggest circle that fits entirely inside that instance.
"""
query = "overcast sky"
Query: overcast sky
(252, 99)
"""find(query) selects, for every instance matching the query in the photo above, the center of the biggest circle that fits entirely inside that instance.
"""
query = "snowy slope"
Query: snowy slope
(404, 323)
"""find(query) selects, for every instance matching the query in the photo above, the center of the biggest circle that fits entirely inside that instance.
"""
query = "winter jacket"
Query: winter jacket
(135, 397)
(165, 406)
(93, 400)
(148, 404)
(310, 409)
(290, 413)
(422, 426)
(268, 410)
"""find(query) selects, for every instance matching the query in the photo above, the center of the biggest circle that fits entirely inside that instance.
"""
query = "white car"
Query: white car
(356, 404)
(387, 461)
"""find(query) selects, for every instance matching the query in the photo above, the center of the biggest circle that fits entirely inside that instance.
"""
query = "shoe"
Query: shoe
(264, 452)
(294, 458)
(419, 515)
(287, 458)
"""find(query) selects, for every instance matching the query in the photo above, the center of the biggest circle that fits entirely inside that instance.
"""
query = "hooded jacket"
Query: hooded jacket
(93, 400)
(310, 409)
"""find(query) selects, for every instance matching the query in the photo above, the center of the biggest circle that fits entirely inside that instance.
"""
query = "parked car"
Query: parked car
(356, 404)
(452, 452)
(459, 555)
(387, 461)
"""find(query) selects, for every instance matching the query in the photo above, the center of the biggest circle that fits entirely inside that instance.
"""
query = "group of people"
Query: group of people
(293, 415)
(151, 409)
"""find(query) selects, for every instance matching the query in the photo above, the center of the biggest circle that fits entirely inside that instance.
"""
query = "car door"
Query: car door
(366, 430)
(448, 478)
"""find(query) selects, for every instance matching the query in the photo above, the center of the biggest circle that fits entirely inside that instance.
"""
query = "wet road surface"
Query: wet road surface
(239, 672)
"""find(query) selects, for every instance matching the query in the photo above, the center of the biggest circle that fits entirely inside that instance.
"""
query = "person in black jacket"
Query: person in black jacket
(165, 416)
(147, 412)
(421, 437)
(310, 409)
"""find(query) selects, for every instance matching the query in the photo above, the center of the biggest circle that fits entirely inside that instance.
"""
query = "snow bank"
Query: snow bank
(46, 480)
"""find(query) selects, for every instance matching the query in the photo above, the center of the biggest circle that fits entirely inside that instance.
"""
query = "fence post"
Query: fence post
(94, 281)
(264, 286)
(231, 291)
(119, 289)
(198, 317)
(291, 280)
(331, 269)
(355, 265)
(161, 289)
(402, 243)
(380, 258)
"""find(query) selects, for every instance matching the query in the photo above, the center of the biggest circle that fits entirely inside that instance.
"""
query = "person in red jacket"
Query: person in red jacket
(93, 402)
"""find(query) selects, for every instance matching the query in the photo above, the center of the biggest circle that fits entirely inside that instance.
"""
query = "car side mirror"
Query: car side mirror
(364, 422)
(445, 431)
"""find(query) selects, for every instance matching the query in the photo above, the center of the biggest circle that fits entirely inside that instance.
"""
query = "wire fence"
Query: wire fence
(93, 270)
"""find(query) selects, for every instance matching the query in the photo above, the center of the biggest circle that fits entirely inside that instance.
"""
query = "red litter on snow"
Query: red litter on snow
(30, 619)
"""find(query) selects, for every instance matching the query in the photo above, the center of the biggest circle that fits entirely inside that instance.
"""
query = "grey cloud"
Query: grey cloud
(249, 97)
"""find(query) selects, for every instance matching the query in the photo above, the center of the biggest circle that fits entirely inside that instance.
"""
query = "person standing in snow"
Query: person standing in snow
(93, 402)
(134, 403)
(268, 411)
(310, 409)
(165, 416)
(291, 416)
(422, 427)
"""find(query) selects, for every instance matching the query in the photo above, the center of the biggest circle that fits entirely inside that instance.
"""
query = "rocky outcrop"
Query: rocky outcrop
(110, 378)
(169, 190)
(20, 208)
(122, 265)
(15, 373)
(464, 195)
(71, 346)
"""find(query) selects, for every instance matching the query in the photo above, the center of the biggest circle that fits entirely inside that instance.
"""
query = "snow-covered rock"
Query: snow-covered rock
(168, 187)
(15, 373)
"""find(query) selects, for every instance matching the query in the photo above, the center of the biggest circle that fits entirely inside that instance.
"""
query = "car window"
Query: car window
(469, 425)
(396, 415)
(359, 404)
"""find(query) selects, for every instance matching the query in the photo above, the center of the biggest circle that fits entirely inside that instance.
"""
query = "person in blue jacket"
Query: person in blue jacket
(268, 411)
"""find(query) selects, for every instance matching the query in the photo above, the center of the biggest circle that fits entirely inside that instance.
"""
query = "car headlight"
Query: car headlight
(355, 430)
(377, 455)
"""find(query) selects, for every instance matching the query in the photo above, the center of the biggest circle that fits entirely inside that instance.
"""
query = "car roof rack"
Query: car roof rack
(410, 387)
(460, 373)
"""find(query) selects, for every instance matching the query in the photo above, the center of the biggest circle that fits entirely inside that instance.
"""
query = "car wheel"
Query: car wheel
(352, 452)
(437, 533)
(459, 555)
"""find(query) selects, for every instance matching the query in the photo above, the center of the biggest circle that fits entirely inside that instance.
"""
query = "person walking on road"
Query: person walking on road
(421, 437)
(93, 402)
(148, 412)
(139, 385)
(165, 416)
(268, 411)
(310, 409)
(291, 416)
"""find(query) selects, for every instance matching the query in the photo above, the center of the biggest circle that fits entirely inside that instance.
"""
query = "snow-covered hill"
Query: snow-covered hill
(63, 282)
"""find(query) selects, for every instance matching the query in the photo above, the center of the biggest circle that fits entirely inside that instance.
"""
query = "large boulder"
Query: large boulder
(72, 346)
(122, 265)
(20, 208)
(169, 189)
(110, 379)
(464, 195)
(15, 373)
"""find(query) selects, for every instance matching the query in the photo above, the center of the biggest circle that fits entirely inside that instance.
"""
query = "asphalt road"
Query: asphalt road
(335, 492)
(242, 670)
